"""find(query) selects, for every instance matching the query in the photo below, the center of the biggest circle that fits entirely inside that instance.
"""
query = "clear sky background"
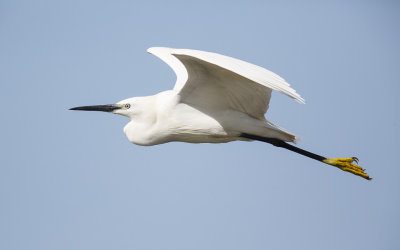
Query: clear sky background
(72, 180)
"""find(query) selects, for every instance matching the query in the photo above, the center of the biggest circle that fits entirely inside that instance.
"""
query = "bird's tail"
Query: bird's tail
(283, 133)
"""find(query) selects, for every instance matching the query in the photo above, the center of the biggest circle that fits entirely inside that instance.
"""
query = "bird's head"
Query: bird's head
(124, 107)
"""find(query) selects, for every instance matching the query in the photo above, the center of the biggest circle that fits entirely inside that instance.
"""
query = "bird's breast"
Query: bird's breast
(142, 134)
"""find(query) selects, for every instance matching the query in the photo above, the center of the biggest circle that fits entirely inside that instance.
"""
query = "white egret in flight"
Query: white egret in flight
(215, 99)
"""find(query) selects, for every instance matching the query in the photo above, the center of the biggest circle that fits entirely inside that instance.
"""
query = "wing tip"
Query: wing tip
(294, 95)
(300, 99)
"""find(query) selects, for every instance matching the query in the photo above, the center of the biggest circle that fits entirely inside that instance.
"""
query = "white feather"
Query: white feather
(250, 71)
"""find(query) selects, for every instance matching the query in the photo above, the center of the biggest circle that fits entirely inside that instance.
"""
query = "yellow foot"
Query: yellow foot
(345, 164)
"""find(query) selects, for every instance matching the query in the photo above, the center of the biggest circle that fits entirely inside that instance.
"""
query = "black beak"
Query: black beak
(104, 108)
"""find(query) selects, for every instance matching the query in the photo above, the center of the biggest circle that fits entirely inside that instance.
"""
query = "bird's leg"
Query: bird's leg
(345, 164)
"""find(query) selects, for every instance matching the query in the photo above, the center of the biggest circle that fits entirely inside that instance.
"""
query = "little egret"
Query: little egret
(215, 99)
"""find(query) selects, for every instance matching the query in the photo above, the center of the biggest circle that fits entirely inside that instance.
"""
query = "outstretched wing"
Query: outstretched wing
(207, 79)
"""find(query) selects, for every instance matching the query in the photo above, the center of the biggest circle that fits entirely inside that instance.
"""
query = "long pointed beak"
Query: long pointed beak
(104, 108)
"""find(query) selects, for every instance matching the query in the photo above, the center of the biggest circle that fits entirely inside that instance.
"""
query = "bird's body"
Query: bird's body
(169, 119)
(215, 99)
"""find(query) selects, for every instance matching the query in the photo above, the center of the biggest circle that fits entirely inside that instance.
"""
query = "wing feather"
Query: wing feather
(250, 71)
(207, 79)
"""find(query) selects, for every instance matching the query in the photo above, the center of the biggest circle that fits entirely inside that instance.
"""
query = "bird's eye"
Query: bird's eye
(127, 106)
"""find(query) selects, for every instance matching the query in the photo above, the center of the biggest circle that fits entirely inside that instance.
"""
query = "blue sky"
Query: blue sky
(71, 180)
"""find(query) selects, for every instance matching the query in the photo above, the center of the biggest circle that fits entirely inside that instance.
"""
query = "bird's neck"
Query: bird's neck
(150, 113)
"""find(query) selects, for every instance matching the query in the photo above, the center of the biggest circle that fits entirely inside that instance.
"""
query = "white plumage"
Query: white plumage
(215, 99)
(249, 71)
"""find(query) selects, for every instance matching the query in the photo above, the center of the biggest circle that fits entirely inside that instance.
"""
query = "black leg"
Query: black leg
(344, 164)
